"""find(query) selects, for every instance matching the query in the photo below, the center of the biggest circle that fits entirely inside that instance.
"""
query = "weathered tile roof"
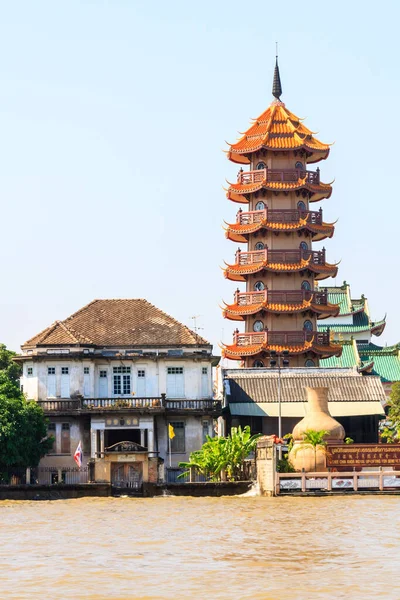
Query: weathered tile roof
(344, 386)
(129, 322)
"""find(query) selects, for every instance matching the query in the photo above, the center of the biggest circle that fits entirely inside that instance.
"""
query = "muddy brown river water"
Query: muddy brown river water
(174, 547)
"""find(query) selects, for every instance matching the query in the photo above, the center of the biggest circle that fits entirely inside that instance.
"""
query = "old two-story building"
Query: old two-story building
(114, 376)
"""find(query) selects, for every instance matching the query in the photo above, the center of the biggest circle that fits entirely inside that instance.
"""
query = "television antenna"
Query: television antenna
(195, 327)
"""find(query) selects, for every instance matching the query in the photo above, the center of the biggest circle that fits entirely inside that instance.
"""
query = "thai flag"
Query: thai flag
(78, 456)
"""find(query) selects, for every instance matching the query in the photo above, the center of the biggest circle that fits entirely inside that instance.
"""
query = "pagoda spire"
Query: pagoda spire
(276, 85)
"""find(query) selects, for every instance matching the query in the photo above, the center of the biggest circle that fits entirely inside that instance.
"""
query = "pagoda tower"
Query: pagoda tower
(278, 264)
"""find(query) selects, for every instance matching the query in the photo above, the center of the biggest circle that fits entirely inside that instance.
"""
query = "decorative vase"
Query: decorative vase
(317, 418)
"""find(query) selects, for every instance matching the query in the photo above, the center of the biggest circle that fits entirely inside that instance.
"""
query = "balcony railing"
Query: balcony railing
(280, 256)
(284, 176)
(115, 403)
(251, 258)
(108, 404)
(60, 405)
(280, 338)
(203, 404)
(250, 298)
(280, 297)
(251, 217)
(279, 216)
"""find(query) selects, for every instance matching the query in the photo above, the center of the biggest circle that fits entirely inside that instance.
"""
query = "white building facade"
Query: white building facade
(121, 371)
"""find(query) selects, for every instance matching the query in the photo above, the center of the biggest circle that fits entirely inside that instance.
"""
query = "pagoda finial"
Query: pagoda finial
(276, 85)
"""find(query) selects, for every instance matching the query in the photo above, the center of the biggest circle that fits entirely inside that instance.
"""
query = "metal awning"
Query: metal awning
(299, 409)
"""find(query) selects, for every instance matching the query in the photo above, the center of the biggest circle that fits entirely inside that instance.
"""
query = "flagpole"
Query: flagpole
(169, 444)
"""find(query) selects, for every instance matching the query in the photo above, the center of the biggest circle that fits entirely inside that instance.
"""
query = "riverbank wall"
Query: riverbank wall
(216, 489)
(54, 492)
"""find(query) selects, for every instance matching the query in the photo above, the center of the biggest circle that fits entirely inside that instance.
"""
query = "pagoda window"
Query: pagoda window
(301, 205)
(308, 326)
(261, 165)
(299, 165)
(258, 326)
(260, 206)
(259, 246)
(303, 246)
(309, 363)
(258, 364)
(259, 286)
(306, 285)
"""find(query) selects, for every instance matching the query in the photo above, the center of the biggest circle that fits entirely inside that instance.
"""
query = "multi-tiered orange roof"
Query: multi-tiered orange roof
(277, 129)
(236, 312)
(236, 232)
(238, 272)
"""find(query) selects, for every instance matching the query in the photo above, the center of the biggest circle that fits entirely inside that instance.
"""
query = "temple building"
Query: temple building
(290, 319)
(278, 264)
(353, 329)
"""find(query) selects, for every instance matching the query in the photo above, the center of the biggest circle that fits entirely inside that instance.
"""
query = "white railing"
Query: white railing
(348, 480)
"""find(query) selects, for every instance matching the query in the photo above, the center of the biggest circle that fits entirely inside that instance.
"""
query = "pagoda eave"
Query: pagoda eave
(236, 352)
(244, 157)
(234, 312)
(240, 273)
(317, 192)
(238, 233)
(378, 328)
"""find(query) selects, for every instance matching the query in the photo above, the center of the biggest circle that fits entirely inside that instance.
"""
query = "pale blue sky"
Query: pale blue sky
(113, 118)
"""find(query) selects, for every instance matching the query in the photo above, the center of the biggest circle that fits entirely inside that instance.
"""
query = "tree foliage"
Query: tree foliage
(23, 427)
(315, 440)
(390, 431)
(223, 453)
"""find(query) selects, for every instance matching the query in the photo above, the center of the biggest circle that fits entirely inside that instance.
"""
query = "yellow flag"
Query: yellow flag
(171, 431)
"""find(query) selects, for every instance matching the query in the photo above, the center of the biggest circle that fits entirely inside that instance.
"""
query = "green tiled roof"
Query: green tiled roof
(339, 297)
(360, 323)
(386, 360)
(348, 358)
(387, 367)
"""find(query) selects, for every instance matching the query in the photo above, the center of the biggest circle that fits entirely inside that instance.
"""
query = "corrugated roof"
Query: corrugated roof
(344, 386)
(299, 409)
(125, 322)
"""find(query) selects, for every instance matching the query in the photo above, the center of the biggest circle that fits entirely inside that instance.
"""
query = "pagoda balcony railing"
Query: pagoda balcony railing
(316, 257)
(280, 338)
(250, 298)
(279, 216)
(251, 217)
(251, 258)
(283, 176)
(280, 297)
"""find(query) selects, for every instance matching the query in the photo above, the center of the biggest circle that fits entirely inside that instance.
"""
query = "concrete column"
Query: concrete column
(150, 440)
(93, 445)
(28, 475)
(102, 441)
(142, 437)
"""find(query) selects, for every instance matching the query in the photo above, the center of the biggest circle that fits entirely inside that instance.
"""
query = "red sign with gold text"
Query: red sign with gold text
(363, 455)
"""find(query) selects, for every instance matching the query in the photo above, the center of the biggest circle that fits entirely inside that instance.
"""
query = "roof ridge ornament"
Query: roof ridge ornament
(276, 85)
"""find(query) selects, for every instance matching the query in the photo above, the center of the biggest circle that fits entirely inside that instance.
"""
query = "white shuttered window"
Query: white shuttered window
(175, 382)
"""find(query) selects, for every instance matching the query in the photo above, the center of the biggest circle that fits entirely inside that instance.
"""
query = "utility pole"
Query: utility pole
(276, 361)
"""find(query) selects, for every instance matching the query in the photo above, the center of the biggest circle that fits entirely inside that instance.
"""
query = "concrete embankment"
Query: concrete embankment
(54, 492)
(222, 488)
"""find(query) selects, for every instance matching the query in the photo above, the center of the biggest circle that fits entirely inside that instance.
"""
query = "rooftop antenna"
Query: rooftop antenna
(195, 328)
(276, 84)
